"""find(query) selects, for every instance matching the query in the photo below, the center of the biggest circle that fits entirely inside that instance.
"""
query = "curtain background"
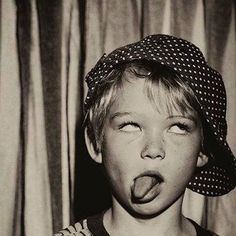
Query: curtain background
(46, 178)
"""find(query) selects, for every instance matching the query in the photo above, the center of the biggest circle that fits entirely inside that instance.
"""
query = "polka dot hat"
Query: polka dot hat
(218, 177)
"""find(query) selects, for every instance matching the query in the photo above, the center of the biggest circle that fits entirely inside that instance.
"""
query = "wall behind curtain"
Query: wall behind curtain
(46, 178)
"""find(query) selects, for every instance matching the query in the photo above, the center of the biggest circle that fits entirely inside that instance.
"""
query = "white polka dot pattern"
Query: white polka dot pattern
(186, 59)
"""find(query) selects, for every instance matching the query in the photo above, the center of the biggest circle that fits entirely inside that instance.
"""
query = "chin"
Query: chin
(145, 210)
(146, 213)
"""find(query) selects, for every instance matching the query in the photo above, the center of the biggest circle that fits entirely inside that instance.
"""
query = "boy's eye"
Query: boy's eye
(179, 128)
(129, 127)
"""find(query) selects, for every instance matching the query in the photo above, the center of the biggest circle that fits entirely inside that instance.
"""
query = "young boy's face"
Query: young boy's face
(149, 155)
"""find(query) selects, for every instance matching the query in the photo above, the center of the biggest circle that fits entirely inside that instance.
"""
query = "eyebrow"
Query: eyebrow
(189, 117)
(119, 114)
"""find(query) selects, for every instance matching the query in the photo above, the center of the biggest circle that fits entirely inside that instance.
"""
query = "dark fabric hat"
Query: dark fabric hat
(218, 177)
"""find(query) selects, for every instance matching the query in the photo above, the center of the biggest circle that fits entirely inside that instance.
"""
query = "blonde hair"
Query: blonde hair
(164, 88)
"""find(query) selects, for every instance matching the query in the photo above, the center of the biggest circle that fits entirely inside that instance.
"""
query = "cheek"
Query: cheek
(180, 171)
(118, 174)
(114, 161)
(117, 152)
(182, 156)
(119, 160)
(187, 146)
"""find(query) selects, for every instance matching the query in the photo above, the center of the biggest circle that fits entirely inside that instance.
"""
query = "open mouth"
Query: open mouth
(146, 187)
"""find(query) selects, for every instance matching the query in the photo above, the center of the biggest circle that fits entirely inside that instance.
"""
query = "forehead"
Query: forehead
(143, 96)
(130, 95)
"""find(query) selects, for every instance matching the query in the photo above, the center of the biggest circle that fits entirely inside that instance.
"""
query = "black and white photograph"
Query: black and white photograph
(117, 117)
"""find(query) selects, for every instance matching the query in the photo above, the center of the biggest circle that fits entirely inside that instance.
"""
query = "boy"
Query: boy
(155, 119)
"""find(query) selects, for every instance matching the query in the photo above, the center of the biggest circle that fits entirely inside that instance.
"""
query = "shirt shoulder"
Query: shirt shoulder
(92, 225)
(80, 228)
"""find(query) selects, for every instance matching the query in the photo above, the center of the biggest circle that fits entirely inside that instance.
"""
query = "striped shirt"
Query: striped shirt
(94, 226)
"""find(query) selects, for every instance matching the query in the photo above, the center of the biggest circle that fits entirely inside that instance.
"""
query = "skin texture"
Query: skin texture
(141, 140)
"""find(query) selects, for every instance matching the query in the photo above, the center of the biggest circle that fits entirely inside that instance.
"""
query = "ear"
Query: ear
(202, 159)
(95, 154)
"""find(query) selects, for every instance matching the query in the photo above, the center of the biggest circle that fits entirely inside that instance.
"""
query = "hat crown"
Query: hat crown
(183, 57)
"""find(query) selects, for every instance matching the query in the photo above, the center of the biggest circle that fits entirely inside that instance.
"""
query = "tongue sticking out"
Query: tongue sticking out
(144, 188)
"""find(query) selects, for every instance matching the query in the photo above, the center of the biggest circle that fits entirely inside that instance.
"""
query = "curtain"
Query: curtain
(47, 180)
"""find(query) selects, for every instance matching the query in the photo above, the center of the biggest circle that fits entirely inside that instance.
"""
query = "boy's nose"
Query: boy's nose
(153, 148)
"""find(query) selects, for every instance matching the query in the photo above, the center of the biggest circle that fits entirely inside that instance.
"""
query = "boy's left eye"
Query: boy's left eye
(179, 129)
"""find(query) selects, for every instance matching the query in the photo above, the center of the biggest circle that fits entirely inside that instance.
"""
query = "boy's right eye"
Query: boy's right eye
(129, 127)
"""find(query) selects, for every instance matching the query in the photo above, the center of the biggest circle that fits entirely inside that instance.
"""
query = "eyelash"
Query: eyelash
(128, 123)
(182, 126)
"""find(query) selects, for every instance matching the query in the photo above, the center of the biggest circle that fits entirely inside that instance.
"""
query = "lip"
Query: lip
(152, 173)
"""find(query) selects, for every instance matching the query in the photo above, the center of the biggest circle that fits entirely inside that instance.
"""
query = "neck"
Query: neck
(118, 221)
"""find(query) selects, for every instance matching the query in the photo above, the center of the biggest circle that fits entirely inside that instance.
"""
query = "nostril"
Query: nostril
(159, 156)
